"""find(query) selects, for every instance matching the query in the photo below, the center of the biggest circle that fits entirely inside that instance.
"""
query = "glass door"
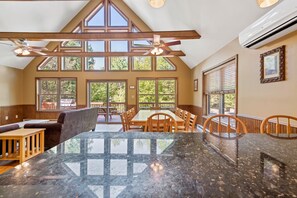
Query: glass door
(110, 98)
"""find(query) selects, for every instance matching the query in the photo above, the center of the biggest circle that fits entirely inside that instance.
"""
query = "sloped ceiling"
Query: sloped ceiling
(218, 22)
(33, 16)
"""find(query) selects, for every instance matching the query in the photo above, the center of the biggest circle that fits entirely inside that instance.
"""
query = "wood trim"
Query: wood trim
(93, 36)
(99, 54)
(58, 78)
(107, 81)
(156, 89)
(218, 66)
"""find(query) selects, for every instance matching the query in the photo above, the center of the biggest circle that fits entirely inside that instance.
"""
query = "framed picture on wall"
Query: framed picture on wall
(196, 85)
(273, 65)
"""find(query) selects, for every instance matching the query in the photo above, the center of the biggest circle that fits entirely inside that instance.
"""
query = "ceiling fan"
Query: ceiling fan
(23, 48)
(158, 47)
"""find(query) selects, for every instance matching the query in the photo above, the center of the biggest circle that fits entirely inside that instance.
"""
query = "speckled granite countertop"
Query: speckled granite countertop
(158, 165)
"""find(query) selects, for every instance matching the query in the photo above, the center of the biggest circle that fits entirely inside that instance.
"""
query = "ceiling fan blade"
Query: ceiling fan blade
(172, 43)
(157, 39)
(37, 47)
(143, 46)
(39, 52)
(16, 42)
(148, 52)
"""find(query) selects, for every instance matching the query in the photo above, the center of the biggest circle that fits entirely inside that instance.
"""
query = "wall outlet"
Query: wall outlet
(16, 116)
(6, 117)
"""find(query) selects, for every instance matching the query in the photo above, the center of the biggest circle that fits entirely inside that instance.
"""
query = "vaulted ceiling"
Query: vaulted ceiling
(218, 22)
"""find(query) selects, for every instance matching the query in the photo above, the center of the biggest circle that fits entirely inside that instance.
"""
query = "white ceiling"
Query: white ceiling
(217, 21)
(33, 16)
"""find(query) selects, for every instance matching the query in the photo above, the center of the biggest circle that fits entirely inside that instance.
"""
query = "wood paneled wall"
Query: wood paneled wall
(29, 112)
(252, 124)
(13, 113)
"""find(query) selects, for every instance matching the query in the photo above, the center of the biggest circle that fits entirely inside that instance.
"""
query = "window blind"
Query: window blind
(221, 79)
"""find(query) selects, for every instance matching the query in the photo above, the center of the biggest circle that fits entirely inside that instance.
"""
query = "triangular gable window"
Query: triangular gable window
(141, 42)
(96, 18)
(49, 64)
(164, 64)
(117, 18)
(71, 44)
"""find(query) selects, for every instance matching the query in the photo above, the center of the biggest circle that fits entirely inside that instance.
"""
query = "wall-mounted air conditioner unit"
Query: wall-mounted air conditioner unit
(279, 21)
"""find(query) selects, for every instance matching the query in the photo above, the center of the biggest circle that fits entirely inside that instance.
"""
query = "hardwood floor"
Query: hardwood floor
(7, 165)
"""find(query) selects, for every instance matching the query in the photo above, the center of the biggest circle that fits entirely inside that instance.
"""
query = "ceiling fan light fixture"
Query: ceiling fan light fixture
(18, 51)
(156, 3)
(157, 51)
(266, 3)
(25, 52)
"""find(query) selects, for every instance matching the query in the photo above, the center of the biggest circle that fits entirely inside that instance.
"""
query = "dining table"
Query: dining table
(136, 164)
(141, 117)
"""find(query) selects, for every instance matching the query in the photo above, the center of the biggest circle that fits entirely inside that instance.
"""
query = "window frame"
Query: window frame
(162, 70)
(83, 27)
(206, 96)
(156, 94)
(141, 70)
(38, 102)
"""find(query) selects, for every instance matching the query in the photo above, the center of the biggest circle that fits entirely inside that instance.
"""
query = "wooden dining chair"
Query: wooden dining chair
(186, 118)
(177, 111)
(181, 113)
(126, 124)
(160, 122)
(222, 123)
(279, 125)
(191, 122)
(133, 111)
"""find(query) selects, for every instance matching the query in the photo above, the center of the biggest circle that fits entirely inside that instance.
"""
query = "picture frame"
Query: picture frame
(272, 65)
(196, 84)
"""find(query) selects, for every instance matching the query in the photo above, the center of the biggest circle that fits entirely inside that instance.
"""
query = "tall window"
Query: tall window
(157, 92)
(56, 94)
(220, 88)
(106, 17)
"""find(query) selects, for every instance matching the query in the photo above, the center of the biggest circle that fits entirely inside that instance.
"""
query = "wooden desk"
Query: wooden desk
(22, 144)
(140, 118)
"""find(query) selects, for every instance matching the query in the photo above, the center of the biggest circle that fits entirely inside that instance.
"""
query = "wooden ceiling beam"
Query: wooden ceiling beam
(99, 54)
(61, 36)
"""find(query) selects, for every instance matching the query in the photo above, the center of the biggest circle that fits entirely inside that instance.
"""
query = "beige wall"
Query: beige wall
(254, 98)
(11, 86)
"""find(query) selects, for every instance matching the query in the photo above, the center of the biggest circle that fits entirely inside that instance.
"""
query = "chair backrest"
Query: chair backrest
(181, 113)
(279, 124)
(191, 122)
(177, 110)
(186, 116)
(155, 108)
(133, 111)
(160, 122)
(224, 123)
(129, 114)
(125, 121)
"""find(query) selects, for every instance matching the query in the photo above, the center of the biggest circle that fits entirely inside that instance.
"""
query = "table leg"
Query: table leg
(42, 141)
(22, 149)
(3, 148)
